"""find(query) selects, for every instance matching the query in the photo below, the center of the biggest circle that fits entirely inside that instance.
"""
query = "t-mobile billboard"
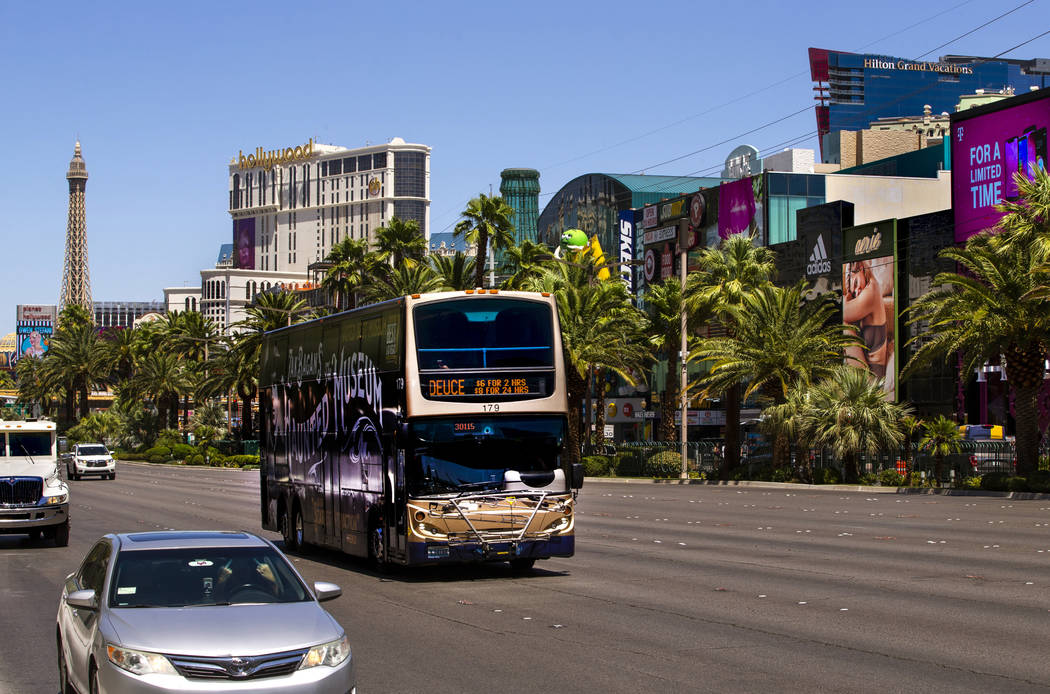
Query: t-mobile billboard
(989, 145)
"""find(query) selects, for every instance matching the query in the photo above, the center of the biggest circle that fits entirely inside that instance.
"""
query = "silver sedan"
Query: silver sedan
(200, 611)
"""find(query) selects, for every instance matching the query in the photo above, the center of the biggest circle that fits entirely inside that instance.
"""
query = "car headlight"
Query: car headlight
(330, 654)
(139, 662)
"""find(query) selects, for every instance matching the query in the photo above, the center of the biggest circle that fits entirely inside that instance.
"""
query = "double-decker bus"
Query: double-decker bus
(422, 430)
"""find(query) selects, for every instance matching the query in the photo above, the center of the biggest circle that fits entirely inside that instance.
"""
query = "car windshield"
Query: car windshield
(198, 577)
(92, 450)
(462, 454)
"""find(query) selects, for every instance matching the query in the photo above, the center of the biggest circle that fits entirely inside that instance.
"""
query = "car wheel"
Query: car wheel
(64, 687)
(522, 566)
(292, 530)
(95, 688)
(113, 475)
(62, 535)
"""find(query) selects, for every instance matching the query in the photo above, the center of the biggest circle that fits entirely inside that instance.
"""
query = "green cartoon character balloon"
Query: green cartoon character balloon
(574, 240)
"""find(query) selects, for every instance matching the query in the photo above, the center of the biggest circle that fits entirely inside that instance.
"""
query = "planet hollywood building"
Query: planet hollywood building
(290, 206)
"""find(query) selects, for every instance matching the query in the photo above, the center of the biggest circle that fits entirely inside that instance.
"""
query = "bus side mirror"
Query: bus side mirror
(577, 475)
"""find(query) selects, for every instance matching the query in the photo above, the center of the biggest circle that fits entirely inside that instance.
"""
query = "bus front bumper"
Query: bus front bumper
(493, 550)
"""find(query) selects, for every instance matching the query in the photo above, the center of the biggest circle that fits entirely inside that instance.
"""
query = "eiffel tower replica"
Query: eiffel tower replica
(76, 282)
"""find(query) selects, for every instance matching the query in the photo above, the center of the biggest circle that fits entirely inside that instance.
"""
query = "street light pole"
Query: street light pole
(683, 381)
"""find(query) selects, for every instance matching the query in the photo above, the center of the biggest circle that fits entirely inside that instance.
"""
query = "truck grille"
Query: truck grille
(238, 668)
(20, 491)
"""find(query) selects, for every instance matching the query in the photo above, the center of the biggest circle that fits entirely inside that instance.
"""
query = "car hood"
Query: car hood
(223, 630)
(22, 467)
(93, 457)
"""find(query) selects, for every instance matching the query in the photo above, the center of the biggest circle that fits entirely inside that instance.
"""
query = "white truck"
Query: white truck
(34, 500)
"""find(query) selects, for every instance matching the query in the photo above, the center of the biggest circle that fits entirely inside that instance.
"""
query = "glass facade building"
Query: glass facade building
(860, 88)
(593, 203)
(521, 189)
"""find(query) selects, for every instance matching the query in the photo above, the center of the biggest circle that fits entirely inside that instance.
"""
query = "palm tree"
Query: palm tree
(351, 264)
(403, 280)
(76, 359)
(848, 413)
(400, 241)
(189, 340)
(780, 341)
(237, 369)
(164, 378)
(910, 426)
(456, 271)
(991, 309)
(523, 262)
(35, 386)
(599, 328)
(725, 275)
(941, 438)
(664, 301)
(486, 219)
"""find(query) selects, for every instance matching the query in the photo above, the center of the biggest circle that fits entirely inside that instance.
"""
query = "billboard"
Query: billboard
(990, 144)
(869, 299)
(244, 243)
(33, 340)
(36, 312)
(626, 269)
(740, 208)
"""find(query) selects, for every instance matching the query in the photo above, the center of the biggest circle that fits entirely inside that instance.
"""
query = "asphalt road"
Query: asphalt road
(673, 589)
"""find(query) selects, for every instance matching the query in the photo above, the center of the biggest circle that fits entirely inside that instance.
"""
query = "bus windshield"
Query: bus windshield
(453, 455)
(484, 334)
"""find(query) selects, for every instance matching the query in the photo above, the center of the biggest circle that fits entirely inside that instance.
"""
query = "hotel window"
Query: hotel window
(349, 165)
(364, 162)
(409, 174)
(379, 160)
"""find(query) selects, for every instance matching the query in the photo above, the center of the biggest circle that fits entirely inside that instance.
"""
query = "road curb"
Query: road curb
(826, 487)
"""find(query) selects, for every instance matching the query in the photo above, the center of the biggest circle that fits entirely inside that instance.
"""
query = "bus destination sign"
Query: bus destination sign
(485, 386)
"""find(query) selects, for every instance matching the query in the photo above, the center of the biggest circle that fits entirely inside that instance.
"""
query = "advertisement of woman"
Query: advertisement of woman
(868, 301)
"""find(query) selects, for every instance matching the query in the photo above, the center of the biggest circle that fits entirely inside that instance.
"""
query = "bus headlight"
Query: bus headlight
(560, 524)
(331, 654)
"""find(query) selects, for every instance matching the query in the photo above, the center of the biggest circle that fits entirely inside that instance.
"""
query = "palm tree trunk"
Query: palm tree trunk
(1026, 409)
(732, 443)
(599, 419)
(247, 425)
(479, 261)
(668, 403)
(85, 409)
(850, 471)
(576, 386)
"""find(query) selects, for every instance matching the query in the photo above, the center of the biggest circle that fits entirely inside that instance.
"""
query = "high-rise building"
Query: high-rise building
(76, 281)
(521, 189)
(854, 89)
(291, 206)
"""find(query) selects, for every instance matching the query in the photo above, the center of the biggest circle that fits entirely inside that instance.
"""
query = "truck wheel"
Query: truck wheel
(62, 535)
(34, 536)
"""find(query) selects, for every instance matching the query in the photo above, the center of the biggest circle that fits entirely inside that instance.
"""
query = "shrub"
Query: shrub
(825, 475)
(869, 479)
(782, 474)
(891, 478)
(195, 459)
(240, 460)
(664, 464)
(1039, 481)
(1017, 484)
(168, 438)
(181, 451)
(158, 454)
(126, 455)
(994, 482)
(970, 483)
(628, 464)
(596, 466)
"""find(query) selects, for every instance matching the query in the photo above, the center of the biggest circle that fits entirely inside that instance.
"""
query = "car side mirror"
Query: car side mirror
(326, 591)
(577, 475)
(82, 599)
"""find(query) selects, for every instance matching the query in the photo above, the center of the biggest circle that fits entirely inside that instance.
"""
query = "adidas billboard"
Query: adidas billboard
(819, 264)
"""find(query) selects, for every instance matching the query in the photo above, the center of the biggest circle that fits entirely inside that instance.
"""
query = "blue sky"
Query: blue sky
(162, 95)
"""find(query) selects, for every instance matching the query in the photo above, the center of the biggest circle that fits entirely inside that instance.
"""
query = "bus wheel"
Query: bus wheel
(376, 546)
(292, 530)
(521, 566)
